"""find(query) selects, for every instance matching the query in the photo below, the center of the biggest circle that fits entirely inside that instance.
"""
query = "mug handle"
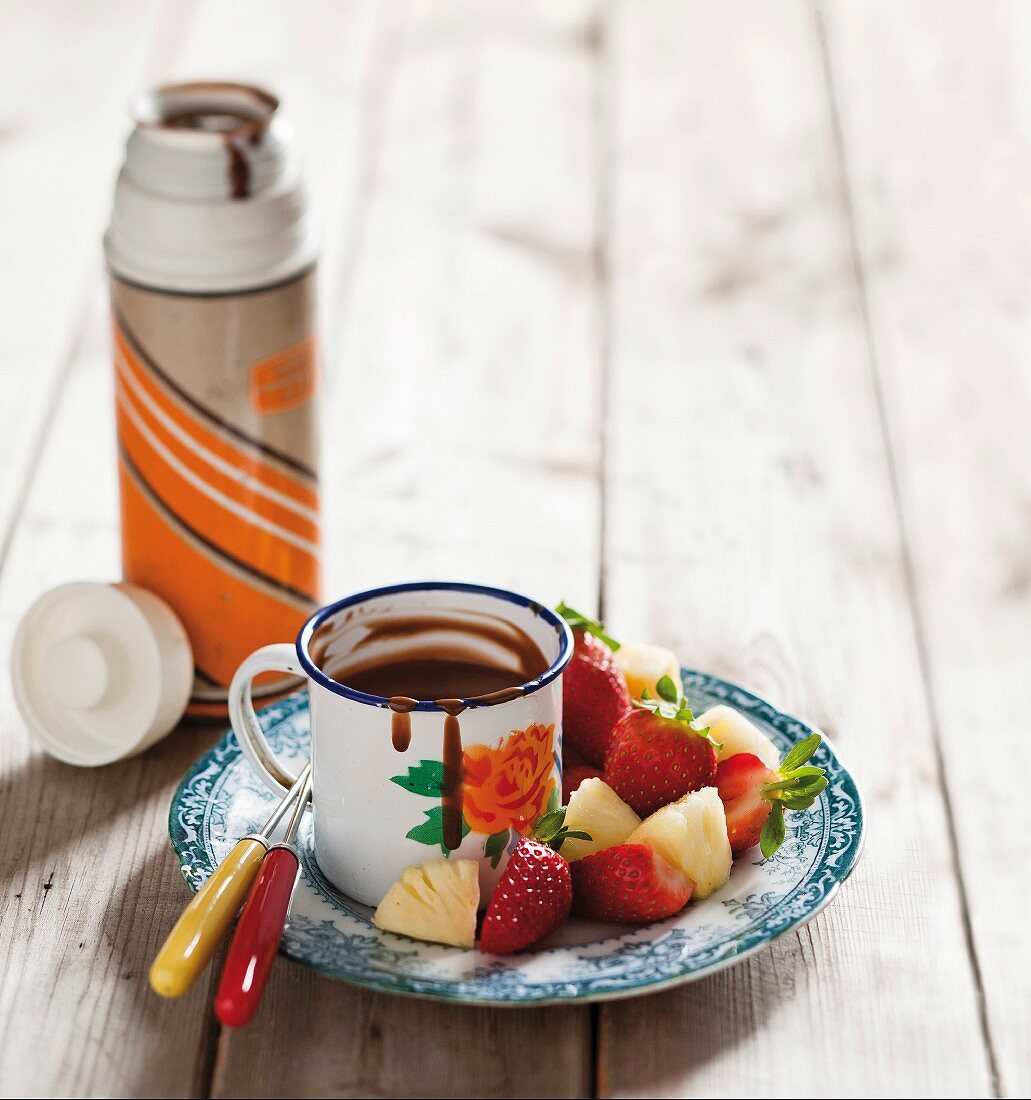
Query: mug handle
(281, 657)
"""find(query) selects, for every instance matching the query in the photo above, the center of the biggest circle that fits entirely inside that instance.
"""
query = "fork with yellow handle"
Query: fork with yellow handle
(206, 920)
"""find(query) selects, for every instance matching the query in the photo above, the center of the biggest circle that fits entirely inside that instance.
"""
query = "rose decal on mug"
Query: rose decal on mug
(505, 788)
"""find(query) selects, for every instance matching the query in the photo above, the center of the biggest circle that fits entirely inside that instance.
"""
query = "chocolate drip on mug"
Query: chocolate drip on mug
(401, 707)
(451, 791)
(477, 660)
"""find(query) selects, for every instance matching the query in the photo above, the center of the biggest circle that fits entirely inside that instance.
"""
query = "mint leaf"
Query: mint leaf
(426, 778)
(772, 836)
(547, 825)
(667, 689)
(802, 797)
(797, 756)
(803, 789)
(801, 773)
(494, 846)
(678, 711)
(577, 620)
(550, 829)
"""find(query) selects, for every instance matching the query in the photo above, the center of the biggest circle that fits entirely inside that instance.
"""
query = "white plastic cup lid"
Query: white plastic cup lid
(100, 671)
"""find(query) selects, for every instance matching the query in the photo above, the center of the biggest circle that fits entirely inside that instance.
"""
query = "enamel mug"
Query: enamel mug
(455, 778)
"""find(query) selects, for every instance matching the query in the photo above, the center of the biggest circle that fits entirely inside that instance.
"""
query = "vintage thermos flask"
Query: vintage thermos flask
(211, 251)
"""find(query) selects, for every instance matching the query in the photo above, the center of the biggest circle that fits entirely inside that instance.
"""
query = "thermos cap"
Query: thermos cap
(100, 671)
(203, 209)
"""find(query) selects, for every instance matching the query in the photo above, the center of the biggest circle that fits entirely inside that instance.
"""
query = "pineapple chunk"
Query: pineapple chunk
(737, 734)
(691, 835)
(595, 808)
(435, 901)
(643, 666)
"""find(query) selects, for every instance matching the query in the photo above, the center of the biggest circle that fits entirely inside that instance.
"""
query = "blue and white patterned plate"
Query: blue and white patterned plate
(221, 800)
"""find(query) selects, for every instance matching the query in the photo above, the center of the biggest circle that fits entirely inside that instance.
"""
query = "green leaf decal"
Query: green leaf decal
(431, 831)
(426, 778)
(554, 800)
(494, 846)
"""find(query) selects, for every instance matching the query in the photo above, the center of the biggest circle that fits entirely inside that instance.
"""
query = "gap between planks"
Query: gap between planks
(604, 167)
(905, 546)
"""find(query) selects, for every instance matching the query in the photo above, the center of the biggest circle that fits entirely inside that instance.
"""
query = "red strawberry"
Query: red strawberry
(740, 781)
(594, 692)
(574, 774)
(533, 895)
(631, 883)
(755, 796)
(657, 755)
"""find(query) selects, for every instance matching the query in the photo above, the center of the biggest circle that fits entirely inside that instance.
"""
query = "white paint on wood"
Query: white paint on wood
(939, 163)
(756, 535)
(474, 198)
(65, 80)
(89, 882)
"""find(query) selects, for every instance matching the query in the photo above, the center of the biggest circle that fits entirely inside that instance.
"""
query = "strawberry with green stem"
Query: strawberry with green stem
(657, 754)
(594, 691)
(535, 891)
(755, 796)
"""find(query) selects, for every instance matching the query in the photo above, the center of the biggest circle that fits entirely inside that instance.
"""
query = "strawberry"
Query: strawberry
(657, 755)
(755, 796)
(740, 780)
(534, 894)
(628, 883)
(594, 691)
(574, 774)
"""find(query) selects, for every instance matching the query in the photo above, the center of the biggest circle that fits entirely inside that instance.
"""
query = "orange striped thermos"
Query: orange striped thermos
(211, 251)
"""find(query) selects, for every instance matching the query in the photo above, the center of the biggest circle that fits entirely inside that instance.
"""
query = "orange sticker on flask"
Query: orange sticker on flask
(284, 380)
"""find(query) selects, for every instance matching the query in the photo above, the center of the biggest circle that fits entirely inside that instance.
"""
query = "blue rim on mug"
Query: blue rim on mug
(560, 626)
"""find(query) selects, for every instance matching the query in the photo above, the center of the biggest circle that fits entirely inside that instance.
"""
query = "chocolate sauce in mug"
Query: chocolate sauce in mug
(452, 676)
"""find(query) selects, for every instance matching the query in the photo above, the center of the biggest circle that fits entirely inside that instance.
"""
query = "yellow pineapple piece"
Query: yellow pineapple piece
(435, 901)
(643, 666)
(595, 808)
(733, 730)
(691, 834)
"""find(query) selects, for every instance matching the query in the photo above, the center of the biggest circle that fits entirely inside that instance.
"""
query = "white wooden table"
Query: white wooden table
(715, 316)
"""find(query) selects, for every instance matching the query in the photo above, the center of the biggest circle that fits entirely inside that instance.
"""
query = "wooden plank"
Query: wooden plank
(90, 884)
(461, 442)
(939, 169)
(74, 868)
(66, 74)
(89, 881)
(757, 536)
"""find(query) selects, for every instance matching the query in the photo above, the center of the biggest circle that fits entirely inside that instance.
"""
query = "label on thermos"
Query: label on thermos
(218, 453)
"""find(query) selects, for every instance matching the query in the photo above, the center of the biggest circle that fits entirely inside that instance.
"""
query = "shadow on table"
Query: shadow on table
(47, 808)
(155, 1047)
(118, 890)
(90, 886)
(651, 1045)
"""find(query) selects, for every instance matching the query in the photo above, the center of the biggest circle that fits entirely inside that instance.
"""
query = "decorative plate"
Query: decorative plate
(221, 800)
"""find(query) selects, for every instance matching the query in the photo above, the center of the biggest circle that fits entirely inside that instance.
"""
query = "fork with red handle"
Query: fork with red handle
(260, 927)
